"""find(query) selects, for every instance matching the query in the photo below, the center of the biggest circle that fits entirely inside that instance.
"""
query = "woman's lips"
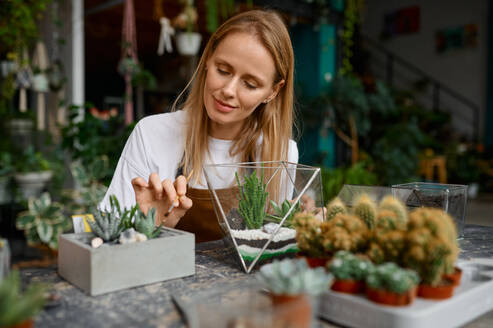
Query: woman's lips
(222, 107)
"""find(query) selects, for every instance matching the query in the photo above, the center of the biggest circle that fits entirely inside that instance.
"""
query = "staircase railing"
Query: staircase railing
(438, 87)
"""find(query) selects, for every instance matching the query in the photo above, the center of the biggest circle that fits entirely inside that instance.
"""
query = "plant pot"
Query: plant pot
(440, 292)
(455, 276)
(292, 310)
(390, 298)
(314, 262)
(188, 43)
(112, 267)
(348, 286)
(31, 184)
(29, 323)
(4, 189)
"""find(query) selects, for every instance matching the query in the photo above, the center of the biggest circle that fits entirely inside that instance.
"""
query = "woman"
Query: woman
(239, 108)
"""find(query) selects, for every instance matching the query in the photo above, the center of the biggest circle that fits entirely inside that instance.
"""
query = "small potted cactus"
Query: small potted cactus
(290, 283)
(349, 271)
(309, 239)
(344, 232)
(366, 210)
(334, 207)
(431, 251)
(124, 249)
(391, 285)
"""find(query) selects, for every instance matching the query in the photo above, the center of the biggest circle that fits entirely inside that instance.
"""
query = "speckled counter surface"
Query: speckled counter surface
(152, 305)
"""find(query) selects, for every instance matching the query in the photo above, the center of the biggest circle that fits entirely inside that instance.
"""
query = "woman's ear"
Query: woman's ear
(275, 90)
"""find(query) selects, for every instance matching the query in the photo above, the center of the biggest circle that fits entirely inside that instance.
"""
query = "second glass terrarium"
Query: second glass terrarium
(255, 203)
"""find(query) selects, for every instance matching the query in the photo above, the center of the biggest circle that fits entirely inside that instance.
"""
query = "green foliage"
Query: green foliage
(391, 277)
(281, 211)
(6, 165)
(32, 161)
(334, 179)
(106, 224)
(253, 196)
(146, 224)
(347, 266)
(293, 277)
(216, 11)
(17, 307)
(43, 222)
(89, 138)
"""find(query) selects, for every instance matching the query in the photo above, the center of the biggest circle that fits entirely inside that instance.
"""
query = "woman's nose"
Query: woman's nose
(229, 88)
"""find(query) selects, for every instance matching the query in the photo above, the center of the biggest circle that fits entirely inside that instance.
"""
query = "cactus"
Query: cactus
(146, 223)
(293, 277)
(387, 238)
(335, 207)
(431, 249)
(106, 225)
(366, 210)
(395, 205)
(346, 265)
(308, 234)
(252, 200)
(344, 232)
(392, 278)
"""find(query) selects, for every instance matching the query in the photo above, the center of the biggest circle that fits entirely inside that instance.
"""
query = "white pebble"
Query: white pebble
(96, 242)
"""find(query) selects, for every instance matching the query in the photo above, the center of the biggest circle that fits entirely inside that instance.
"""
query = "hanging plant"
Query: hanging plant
(352, 18)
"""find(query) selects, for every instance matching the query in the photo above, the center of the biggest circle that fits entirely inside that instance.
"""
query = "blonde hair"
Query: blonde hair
(273, 120)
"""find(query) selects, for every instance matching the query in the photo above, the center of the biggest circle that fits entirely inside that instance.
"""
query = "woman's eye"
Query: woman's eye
(222, 72)
(250, 86)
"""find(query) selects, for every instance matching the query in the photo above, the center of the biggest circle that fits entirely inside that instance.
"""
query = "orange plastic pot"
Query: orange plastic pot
(440, 292)
(292, 310)
(25, 324)
(348, 286)
(314, 262)
(455, 276)
(390, 298)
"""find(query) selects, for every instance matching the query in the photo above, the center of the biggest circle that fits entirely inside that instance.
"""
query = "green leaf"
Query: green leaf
(45, 231)
(25, 221)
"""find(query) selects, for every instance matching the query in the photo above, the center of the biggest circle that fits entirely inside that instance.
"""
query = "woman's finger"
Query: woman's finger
(139, 182)
(155, 184)
(185, 203)
(170, 191)
(181, 185)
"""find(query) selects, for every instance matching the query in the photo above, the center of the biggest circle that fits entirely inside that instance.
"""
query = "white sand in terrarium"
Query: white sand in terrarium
(257, 234)
(252, 251)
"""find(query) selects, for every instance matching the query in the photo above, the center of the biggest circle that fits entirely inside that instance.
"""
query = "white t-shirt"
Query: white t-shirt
(157, 145)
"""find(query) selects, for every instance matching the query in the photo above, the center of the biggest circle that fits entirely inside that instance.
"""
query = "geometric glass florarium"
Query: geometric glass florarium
(255, 203)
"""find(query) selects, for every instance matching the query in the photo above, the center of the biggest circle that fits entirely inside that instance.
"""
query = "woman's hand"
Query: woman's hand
(162, 195)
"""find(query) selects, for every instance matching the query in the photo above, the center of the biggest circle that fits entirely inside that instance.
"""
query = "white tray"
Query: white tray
(471, 299)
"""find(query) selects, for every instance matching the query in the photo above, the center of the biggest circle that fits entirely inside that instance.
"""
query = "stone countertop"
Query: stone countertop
(152, 305)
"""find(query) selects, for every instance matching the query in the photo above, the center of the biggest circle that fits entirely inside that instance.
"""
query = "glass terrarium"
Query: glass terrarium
(255, 203)
(451, 198)
(349, 193)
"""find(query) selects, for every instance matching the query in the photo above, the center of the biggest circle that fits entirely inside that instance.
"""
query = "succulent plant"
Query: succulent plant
(396, 206)
(344, 232)
(107, 225)
(16, 308)
(146, 224)
(292, 277)
(253, 196)
(281, 211)
(391, 277)
(366, 210)
(345, 265)
(335, 207)
(308, 234)
(430, 250)
(387, 239)
(44, 221)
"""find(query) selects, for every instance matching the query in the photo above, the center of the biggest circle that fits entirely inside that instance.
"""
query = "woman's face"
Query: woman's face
(240, 76)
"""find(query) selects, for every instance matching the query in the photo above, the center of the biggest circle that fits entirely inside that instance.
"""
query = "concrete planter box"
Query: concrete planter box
(114, 267)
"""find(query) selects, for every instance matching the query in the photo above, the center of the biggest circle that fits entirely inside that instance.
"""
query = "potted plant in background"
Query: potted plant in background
(187, 40)
(309, 240)
(6, 168)
(349, 271)
(32, 173)
(16, 309)
(291, 283)
(391, 285)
